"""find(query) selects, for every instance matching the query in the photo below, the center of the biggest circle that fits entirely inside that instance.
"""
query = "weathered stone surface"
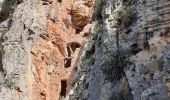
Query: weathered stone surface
(145, 41)
(38, 41)
(42, 55)
(151, 69)
(81, 14)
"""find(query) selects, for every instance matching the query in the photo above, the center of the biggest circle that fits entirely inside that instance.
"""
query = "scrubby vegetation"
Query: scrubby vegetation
(98, 27)
(114, 64)
(128, 14)
(125, 15)
(99, 4)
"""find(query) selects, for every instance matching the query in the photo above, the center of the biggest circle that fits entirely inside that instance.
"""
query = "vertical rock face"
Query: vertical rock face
(148, 77)
(90, 82)
(41, 41)
(56, 53)
(144, 43)
(126, 53)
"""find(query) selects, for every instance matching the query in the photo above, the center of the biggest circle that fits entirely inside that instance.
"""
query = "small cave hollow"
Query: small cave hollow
(19, 1)
(59, 1)
(146, 45)
(67, 60)
(63, 88)
(71, 47)
(77, 31)
(134, 49)
(74, 46)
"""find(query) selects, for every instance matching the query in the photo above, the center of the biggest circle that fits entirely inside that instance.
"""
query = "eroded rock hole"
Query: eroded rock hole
(149, 35)
(59, 1)
(71, 47)
(134, 49)
(146, 45)
(45, 3)
(63, 88)
(74, 45)
(67, 60)
(78, 31)
(19, 1)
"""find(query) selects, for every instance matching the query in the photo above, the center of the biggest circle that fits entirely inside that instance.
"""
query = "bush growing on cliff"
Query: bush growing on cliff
(99, 4)
(128, 14)
(113, 67)
(125, 15)
(98, 27)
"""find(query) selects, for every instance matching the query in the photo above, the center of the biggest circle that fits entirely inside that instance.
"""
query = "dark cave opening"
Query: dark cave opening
(74, 45)
(71, 48)
(63, 88)
(59, 1)
(78, 31)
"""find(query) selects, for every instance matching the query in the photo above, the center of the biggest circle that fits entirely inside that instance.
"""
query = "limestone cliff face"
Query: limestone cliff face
(127, 60)
(84, 50)
(56, 53)
(149, 76)
(41, 41)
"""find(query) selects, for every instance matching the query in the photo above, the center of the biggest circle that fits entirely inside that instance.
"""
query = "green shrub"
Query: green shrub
(125, 15)
(98, 27)
(128, 14)
(128, 11)
(99, 4)
(113, 67)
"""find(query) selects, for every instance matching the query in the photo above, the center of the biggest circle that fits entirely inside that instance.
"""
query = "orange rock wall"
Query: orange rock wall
(56, 52)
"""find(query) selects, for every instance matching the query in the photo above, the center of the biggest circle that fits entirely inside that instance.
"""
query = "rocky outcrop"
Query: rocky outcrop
(148, 76)
(144, 48)
(81, 14)
(56, 53)
(63, 50)
(90, 82)
(41, 43)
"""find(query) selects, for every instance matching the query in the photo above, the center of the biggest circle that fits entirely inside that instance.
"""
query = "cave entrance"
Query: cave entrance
(74, 45)
(71, 48)
(59, 1)
(63, 88)
(67, 60)
(77, 31)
